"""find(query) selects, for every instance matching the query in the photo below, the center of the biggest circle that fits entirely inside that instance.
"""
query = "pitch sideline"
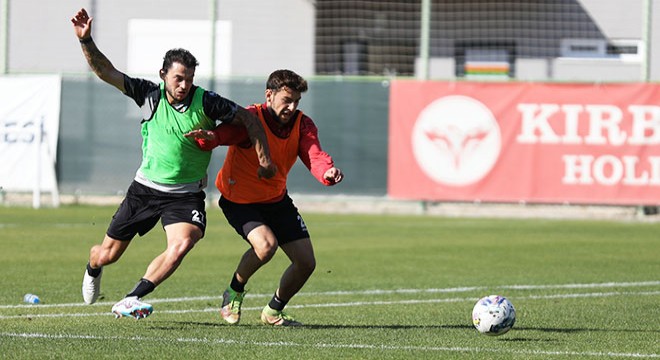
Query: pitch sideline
(348, 304)
(381, 347)
(367, 292)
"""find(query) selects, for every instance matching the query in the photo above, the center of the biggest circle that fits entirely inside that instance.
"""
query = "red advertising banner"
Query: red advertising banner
(512, 142)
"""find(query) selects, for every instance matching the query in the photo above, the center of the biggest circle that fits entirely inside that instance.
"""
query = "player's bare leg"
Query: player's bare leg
(181, 238)
(303, 263)
(108, 252)
(264, 246)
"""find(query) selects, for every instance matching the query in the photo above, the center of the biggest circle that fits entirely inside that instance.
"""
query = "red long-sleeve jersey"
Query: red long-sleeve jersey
(309, 149)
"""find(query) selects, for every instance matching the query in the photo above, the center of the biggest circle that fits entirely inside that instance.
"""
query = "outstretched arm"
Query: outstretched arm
(101, 66)
(223, 134)
(318, 162)
(257, 136)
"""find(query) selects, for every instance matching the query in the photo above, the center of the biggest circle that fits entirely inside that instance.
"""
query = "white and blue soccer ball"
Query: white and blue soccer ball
(493, 315)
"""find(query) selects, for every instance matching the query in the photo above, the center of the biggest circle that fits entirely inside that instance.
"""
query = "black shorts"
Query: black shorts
(143, 207)
(282, 217)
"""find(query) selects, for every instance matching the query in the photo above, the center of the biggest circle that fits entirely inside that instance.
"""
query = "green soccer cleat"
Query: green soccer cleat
(277, 318)
(231, 306)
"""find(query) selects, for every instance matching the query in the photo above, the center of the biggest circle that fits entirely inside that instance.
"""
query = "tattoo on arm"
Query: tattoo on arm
(96, 60)
(101, 66)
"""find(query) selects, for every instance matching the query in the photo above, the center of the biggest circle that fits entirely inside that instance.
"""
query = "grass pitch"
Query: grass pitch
(385, 287)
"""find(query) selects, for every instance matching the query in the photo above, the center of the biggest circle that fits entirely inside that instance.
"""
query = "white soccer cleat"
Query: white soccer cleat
(133, 307)
(91, 287)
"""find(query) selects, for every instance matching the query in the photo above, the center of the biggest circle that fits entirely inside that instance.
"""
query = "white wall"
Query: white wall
(270, 35)
(613, 22)
(149, 39)
(266, 34)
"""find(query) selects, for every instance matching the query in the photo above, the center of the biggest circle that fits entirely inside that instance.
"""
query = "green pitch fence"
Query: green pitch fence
(99, 145)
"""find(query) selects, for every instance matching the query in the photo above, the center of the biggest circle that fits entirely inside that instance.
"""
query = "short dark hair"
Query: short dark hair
(281, 78)
(181, 56)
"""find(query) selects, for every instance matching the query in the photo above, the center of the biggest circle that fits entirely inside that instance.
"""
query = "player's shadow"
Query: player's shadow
(389, 327)
(182, 325)
(579, 330)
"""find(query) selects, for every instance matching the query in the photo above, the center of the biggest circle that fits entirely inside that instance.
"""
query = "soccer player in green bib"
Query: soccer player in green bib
(169, 185)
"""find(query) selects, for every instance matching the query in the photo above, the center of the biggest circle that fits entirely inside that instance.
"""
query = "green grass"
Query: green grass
(386, 287)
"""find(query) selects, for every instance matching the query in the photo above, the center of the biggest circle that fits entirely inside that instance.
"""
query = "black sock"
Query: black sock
(276, 303)
(93, 272)
(236, 285)
(142, 288)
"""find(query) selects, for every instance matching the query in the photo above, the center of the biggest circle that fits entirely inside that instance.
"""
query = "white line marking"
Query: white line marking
(347, 304)
(222, 341)
(369, 292)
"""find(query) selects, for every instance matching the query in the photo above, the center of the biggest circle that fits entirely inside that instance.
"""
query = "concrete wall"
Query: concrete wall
(266, 34)
(270, 35)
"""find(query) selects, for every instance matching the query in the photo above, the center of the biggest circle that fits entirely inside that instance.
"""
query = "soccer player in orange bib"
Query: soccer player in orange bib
(260, 210)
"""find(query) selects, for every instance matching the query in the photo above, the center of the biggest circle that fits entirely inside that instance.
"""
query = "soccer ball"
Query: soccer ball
(493, 315)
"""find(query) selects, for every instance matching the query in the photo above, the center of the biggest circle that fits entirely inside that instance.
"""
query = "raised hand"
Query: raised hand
(82, 24)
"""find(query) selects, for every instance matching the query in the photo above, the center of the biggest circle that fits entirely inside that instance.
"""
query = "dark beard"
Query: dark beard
(276, 116)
